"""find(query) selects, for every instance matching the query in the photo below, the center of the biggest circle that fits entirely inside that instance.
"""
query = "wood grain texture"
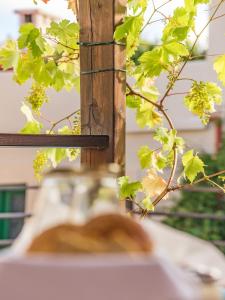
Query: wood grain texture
(102, 94)
(56, 141)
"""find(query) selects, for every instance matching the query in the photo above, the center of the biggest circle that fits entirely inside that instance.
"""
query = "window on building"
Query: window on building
(12, 200)
(28, 18)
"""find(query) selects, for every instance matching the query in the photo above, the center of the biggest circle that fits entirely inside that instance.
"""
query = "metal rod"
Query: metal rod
(6, 242)
(203, 189)
(13, 216)
(219, 243)
(15, 187)
(190, 215)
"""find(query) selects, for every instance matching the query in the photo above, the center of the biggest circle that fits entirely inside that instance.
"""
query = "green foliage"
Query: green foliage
(193, 165)
(131, 28)
(145, 156)
(54, 156)
(137, 5)
(130, 31)
(180, 24)
(66, 33)
(146, 203)
(32, 126)
(49, 64)
(9, 55)
(31, 38)
(219, 67)
(202, 98)
(152, 63)
(128, 189)
(147, 116)
(50, 60)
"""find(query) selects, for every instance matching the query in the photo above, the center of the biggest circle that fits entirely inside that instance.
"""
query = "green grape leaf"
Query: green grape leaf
(177, 49)
(147, 204)
(145, 156)
(153, 62)
(146, 88)
(9, 55)
(127, 188)
(133, 101)
(130, 30)
(56, 156)
(219, 67)
(25, 31)
(202, 98)
(193, 165)
(179, 25)
(166, 137)
(161, 162)
(147, 116)
(137, 5)
(32, 126)
(24, 69)
(30, 37)
(41, 73)
(66, 33)
(180, 144)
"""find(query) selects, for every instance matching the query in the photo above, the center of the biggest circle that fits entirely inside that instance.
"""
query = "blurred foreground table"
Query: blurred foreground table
(100, 277)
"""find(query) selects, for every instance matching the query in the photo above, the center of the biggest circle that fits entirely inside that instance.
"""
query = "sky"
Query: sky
(9, 20)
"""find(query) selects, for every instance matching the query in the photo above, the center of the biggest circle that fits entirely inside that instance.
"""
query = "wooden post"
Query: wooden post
(102, 93)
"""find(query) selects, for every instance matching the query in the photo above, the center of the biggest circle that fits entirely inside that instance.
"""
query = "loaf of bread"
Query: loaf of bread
(111, 233)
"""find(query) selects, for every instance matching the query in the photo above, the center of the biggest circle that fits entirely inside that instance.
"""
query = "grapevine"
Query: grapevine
(51, 61)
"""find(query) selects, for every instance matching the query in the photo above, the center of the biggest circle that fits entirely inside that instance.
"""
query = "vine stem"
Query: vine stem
(133, 92)
(160, 107)
(155, 9)
(221, 16)
(63, 119)
(178, 93)
(204, 178)
(60, 43)
(175, 154)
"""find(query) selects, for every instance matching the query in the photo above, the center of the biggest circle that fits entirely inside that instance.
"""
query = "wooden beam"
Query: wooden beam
(56, 141)
(102, 93)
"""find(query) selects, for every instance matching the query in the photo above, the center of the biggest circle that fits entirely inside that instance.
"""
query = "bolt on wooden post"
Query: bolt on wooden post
(103, 81)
